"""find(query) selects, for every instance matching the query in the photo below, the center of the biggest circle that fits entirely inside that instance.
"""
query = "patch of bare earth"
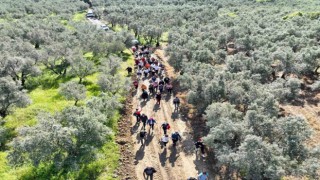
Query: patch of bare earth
(171, 163)
(309, 107)
(126, 168)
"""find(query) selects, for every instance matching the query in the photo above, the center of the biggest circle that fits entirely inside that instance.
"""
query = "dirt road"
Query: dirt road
(171, 163)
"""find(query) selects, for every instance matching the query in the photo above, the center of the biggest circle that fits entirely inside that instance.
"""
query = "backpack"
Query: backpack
(142, 134)
(150, 171)
(174, 136)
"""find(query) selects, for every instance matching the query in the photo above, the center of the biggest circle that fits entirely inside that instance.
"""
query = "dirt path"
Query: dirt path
(171, 163)
(310, 109)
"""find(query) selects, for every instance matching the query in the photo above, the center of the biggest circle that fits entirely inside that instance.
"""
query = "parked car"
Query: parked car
(135, 42)
(104, 27)
(90, 14)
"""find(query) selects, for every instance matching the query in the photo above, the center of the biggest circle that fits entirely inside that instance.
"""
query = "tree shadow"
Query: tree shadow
(163, 157)
(187, 144)
(125, 56)
(173, 155)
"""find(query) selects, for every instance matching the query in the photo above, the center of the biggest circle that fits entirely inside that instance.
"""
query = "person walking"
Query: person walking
(146, 72)
(166, 80)
(161, 88)
(129, 69)
(199, 144)
(175, 137)
(158, 98)
(151, 88)
(203, 176)
(144, 119)
(135, 84)
(165, 126)
(139, 74)
(137, 114)
(148, 172)
(151, 123)
(165, 140)
(176, 102)
(142, 136)
(169, 88)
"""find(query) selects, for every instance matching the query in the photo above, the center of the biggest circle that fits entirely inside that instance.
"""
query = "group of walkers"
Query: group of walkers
(149, 68)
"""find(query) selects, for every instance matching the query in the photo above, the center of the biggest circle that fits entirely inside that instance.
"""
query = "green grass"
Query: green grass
(47, 100)
(232, 14)
(291, 15)
(80, 16)
(165, 37)
(44, 93)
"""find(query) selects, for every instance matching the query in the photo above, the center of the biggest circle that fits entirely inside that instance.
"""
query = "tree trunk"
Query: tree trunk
(80, 80)
(136, 33)
(23, 79)
(37, 45)
(64, 72)
(3, 113)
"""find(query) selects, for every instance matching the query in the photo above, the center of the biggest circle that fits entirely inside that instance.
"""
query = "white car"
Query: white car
(104, 27)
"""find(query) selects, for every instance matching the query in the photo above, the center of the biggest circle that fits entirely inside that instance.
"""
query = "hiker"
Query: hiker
(175, 137)
(158, 98)
(161, 88)
(139, 73)
(137, 114)
(165, 126)
(176, 102)
(151, 123)
(156, 69)
(161, 82)
(165, 140)
(144, 119)
(140, 64)
(143, 87)
(153, 78)
(129, 69)
(144, 95)
(151, 89)
(142, 136)
(153, 72)
(135, 84)
(149, 171)
(166, 80)
(199, 144)
(146, 72)
(203, 176)
(169, 88)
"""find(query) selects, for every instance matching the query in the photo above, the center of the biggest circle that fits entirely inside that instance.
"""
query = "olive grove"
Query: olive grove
(239, 61)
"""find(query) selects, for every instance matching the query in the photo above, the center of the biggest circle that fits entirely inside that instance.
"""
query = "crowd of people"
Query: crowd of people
(150, 68)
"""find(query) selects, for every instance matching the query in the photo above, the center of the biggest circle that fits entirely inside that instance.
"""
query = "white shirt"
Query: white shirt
(165, 139)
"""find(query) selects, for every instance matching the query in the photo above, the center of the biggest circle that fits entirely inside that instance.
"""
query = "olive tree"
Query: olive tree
(73, 91)
(81, 67)
(11, 96)
(65, 140)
